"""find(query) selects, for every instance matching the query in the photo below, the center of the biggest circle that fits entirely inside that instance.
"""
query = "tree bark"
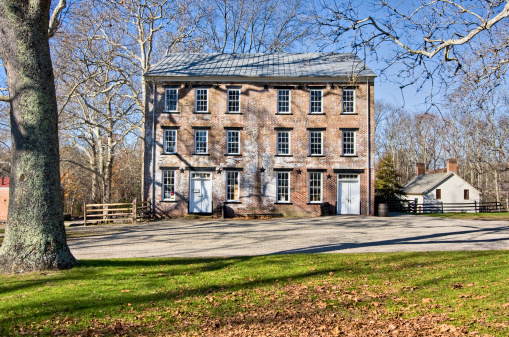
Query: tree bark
(35, 236)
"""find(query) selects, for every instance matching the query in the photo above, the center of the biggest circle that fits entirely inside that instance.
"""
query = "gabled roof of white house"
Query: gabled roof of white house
(426, 182)
(278, 65)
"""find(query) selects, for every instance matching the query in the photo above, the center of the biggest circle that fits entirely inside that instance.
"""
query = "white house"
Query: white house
(442, 191)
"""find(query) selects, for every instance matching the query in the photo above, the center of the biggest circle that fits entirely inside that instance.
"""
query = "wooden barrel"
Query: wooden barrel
(383, 210)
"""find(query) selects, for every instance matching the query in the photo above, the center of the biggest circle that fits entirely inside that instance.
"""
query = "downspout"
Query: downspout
(369, 148)
(153, 185)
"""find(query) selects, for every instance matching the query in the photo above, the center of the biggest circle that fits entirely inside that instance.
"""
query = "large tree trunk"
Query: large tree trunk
(35, 235)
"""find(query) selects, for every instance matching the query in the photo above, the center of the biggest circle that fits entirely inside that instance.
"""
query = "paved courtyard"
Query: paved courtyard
(338, 234)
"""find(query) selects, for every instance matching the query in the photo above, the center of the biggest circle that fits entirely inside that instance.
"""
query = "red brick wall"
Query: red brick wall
(4, 203)
(258, 146)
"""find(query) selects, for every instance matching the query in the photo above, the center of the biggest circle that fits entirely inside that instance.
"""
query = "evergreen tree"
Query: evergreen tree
(387, 186)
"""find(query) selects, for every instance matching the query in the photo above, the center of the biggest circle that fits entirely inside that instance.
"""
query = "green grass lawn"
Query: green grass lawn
(474, 216)
(326, 294)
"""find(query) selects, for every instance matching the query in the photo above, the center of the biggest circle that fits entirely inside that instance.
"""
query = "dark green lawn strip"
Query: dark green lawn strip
(473, 216)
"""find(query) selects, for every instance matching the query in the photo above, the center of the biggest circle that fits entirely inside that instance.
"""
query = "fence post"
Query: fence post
(84, 213)
(475, 206)
(134, 211)
(442, 207)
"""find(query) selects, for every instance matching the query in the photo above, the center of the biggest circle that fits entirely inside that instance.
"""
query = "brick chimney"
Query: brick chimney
(452, 165)
(421, 168)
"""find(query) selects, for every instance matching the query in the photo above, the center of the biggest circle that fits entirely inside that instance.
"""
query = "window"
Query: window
(200, 141)
(171, 100)
(348, 101)
(438, 193)
(232, 186)
(233, 142)
(202, 102)
(315, 98)
(168, 185)
(283, 187)
(466, 194)
(283, 101)
(348, 143)
(283, 143)
(315, 143)
(233, 100)
(170, 141)
(315, 187)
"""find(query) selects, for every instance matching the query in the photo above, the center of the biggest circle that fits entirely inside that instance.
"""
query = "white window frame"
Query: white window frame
(321, 143)
(236, 175)
(278, 180)
(343, 101)
(166, 93)
(165, 141)
(311, 102)
(354, 143)
(310, 193)
(289, 102)
(168, 176)
(196, 90)
(206, 141)
(228, 142)
(228, 101)
(278, 143)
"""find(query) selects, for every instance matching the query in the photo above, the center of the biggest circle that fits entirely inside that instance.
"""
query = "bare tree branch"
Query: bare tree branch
(55, 18)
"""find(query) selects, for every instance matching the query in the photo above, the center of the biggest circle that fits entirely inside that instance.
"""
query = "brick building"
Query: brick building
(259, 133)
(4, 198)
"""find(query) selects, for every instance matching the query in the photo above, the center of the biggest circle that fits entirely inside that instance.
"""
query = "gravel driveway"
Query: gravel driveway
(337, 234)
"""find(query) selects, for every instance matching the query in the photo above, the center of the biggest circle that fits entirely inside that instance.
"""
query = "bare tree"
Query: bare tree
(35, 235)
(250, 26)
(138, 30)
(97, 110)
(432, 40)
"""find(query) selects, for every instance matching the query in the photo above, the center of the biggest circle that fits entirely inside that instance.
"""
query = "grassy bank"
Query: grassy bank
(474, 216)
(327, 294)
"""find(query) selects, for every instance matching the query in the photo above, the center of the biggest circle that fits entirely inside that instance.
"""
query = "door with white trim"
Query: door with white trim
(349, 194)
(200, 192)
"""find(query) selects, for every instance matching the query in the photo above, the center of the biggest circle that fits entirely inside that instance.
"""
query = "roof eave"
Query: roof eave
(301, 79)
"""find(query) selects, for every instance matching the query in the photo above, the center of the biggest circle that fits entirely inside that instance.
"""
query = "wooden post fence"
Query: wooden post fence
(116, 212)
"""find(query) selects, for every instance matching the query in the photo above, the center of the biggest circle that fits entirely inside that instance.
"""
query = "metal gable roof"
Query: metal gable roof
(290, 65)
(426, 182)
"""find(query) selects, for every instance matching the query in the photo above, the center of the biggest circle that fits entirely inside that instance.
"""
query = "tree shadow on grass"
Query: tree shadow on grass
(121, 287)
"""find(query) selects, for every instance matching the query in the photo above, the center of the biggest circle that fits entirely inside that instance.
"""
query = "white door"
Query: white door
(200, 192)
(349, 195)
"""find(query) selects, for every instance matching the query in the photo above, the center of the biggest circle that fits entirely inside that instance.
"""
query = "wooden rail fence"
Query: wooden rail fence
(119, 212)
(440, 207)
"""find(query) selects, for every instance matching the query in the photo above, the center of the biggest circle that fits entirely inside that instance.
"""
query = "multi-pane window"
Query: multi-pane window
(316, 143)
(348, 101)
(171, 100)
(283, 101)
(232, 186)
(170, 141)
(315, 97)
(466, 194)
(283, 187)
(202, 102)
(348, 143)
(315, 187)
(283, 142)
(168, 185)
(233, 100)
(200, 141)
(233, 142)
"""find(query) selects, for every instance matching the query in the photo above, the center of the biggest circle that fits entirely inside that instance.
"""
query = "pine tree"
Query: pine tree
(387, 186)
